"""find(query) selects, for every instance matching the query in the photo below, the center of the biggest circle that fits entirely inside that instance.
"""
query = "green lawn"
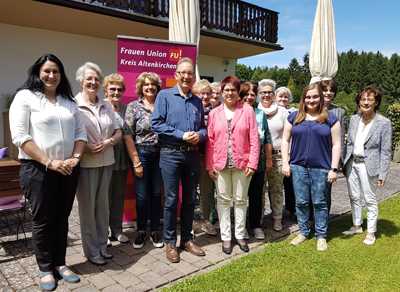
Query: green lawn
(348, 265)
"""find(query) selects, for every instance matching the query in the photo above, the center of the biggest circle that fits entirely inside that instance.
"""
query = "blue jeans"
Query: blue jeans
(310, 188)
(177, 166)
(148, 189)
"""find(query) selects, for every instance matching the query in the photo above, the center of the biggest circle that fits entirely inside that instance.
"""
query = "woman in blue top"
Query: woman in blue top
(314, 159)
(248, 93)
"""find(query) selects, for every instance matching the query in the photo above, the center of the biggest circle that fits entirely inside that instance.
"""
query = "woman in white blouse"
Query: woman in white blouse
(45, 125)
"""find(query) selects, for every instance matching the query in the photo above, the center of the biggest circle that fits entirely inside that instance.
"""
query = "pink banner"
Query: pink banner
(137, 55)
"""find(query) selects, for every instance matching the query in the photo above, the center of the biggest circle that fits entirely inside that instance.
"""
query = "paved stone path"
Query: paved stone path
(145, 269)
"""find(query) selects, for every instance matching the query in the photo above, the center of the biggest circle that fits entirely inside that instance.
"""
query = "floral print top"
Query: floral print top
(138, 123)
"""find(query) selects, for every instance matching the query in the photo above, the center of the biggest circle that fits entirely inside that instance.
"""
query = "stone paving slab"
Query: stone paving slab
(144, 269)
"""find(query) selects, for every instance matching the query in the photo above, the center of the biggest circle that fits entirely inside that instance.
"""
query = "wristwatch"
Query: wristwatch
(334, 169)
(77, 156)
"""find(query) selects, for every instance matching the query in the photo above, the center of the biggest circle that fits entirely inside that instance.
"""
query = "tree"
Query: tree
(296, 91)
(243, 72)
(391, 79)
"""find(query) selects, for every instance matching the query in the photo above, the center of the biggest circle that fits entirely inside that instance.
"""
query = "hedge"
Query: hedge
(393, 113)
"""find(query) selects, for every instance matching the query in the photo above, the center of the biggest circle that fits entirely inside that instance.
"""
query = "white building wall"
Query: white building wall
(216, 67)
(21, 46)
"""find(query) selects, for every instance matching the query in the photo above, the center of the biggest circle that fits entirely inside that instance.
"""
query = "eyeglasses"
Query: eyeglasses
(369, 100)
(230, 90)
(114, 89)
(264, 93)
(185, 73)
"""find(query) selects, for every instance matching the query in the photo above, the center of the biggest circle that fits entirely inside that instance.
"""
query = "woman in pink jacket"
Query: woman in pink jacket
(232, 157)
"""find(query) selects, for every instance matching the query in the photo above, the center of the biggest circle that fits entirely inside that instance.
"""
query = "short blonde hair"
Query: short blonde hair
(201, 85)
(153, 77)
(216, 85)
(114, 78)
(285, 90)
(80, 73)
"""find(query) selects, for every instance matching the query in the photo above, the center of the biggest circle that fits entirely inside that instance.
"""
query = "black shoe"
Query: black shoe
(155, 238)
(243, 245)
(227, 247)
(139, 240)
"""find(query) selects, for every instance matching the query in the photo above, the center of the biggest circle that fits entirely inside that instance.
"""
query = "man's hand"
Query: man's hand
(191, 137)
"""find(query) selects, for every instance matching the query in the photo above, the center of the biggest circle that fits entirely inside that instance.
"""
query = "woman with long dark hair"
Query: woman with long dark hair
(46, 127)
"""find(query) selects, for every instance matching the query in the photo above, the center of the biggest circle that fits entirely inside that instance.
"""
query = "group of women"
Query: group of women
(85, 145)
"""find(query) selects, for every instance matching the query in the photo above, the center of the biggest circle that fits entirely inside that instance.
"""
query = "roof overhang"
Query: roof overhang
(107, 24)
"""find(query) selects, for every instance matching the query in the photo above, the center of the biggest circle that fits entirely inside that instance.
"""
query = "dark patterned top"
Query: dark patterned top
(229, 162)
(138, 123)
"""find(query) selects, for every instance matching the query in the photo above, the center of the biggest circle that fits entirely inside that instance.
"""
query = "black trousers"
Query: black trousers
(256, 189)
(290, 201)
(50, 195)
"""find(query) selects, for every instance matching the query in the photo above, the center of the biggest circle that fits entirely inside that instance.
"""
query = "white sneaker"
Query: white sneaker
(300, 238)
(259, 233)
(369, 239)
(122, 238)
(277, 225)
(321, 244)
(353, 230)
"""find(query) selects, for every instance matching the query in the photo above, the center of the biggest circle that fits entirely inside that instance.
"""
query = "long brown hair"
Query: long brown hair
(323, 113)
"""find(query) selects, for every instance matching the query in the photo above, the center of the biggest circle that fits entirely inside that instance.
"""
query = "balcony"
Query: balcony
(228, 19)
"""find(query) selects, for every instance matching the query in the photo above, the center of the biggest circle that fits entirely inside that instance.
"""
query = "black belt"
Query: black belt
(183, 148)
(358, 158)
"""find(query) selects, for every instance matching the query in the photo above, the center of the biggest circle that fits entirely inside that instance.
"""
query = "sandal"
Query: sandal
(47, 285)
(67, 275)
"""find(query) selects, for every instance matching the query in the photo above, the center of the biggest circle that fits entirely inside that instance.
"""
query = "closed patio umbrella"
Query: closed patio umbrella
(184, 23)
(323, 54)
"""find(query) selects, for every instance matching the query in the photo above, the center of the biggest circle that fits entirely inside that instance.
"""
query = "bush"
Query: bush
(393, 113)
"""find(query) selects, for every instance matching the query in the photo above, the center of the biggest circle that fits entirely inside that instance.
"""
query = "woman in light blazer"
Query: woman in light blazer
(367, 159)
(233, 149)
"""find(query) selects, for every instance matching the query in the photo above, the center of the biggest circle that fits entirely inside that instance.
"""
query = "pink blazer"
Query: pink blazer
(245, 141)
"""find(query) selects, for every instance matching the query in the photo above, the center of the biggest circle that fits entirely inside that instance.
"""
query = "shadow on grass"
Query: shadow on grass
(387, 228)
(344, 222)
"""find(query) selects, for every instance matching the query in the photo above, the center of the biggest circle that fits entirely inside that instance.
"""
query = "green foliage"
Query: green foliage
(393, 113)
(356, 70)
(391, 79)
(346, 101)
(243, 72)
(296, 91)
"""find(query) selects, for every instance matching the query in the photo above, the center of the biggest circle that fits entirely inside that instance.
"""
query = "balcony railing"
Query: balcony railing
(221, 16)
